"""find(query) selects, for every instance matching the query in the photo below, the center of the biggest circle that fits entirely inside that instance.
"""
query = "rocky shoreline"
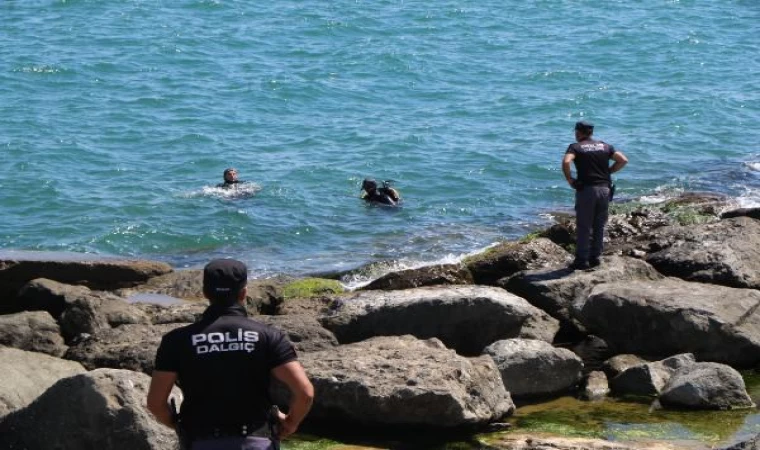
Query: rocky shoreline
(670, 316)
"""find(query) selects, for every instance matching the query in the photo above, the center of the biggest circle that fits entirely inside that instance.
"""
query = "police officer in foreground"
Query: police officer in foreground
(224, 364)
(592, 191)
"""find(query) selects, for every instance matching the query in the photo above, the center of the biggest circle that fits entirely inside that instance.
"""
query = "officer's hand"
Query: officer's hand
(285, 428)
(572, 182)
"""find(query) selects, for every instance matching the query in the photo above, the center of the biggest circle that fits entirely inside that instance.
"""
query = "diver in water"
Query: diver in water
(384, 195)
(230, 179)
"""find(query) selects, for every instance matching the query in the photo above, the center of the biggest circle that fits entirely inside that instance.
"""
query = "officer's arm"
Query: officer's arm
(566, 161)
(301, 395)
(158, 395)
(620, 161)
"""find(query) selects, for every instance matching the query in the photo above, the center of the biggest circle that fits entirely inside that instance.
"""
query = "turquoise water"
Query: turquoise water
(118, 118)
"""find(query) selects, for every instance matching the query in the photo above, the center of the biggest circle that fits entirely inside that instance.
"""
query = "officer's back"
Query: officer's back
(224, 364)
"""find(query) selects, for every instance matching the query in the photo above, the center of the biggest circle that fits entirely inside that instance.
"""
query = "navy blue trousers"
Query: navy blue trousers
(591, 211)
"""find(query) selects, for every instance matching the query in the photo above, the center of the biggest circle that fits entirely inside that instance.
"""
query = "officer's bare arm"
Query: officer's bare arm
(620, 161)
(301, 395)
(158, 395)
(566, 161)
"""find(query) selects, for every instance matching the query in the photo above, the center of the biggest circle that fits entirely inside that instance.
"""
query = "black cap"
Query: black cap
(368, 184)
(229, 169)
(584, 125)
(223, 279)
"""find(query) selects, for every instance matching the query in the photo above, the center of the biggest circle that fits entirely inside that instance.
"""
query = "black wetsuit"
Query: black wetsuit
(385, 196)
(229, 184)
(223, 364)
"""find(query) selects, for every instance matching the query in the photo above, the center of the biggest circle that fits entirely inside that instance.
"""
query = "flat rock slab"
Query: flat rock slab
(24, 376)
(401, 380)
(514, 441)
(19, 267)
(465, 318)
(672, 316)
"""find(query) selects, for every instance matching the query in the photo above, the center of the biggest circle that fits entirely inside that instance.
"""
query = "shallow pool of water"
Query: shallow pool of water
(622, 421)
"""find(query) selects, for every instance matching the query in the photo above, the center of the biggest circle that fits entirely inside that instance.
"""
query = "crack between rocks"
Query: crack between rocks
(747, 314)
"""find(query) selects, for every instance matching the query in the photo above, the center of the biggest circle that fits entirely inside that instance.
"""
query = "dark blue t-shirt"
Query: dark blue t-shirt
(592, 161)
(223, 364)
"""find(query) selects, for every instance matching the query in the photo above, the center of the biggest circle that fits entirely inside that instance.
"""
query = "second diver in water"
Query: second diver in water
(384, 195)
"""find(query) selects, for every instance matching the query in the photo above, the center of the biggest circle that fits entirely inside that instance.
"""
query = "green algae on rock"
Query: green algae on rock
(311, 287)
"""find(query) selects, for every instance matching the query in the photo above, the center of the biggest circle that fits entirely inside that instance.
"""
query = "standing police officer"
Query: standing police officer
(224, 364)
(592, 191)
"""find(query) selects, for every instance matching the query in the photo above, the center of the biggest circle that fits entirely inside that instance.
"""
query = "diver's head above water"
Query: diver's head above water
(369, 185)
(230, 175)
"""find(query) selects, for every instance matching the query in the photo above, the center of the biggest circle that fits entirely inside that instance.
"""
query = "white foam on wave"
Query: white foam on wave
(749, 198)
(661, 194)
(381, 269)
(244, 190)
(753, 166)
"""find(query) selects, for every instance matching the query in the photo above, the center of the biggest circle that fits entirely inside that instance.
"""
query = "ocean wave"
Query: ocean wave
(661, 194)
(377, 270)
(753, 166)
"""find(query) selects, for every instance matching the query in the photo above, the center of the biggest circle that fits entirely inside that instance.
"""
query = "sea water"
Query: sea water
(117, 120)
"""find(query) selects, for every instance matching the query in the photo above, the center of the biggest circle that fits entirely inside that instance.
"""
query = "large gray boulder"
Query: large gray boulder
(532, 368)
(508, 258)
(465, 318)
(725, 252)
(24, 376)
(34, 331)
(401, 380)
(672, 316)
(706, 386)
(303, 330)
(555, 290)
(648, 379)
(103, 409)
(131, 347)
(97, 272)
(443, 274)
(52, 296)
